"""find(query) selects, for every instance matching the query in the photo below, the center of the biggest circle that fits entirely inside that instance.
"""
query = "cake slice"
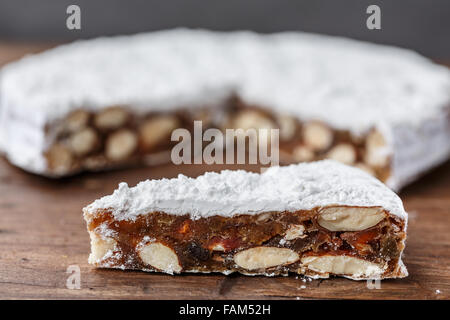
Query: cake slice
(317, 219)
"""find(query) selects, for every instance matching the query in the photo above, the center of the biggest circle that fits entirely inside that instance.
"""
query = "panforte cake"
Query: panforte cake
(112, 102)
(316, 219)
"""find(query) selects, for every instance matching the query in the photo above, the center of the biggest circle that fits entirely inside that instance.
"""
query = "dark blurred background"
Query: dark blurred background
(422, 25)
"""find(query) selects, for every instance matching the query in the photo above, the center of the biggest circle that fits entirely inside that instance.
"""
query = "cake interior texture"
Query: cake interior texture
(271, 243)
(116, 137)
(359, 240)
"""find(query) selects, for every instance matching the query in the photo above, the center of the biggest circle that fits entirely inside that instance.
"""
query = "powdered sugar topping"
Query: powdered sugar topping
(229, 193)
(349, 84)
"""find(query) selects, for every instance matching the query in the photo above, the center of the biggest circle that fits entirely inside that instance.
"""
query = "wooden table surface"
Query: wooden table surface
(42, 233)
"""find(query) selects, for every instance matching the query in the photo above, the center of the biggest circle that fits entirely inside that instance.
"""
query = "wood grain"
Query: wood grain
(42, 233)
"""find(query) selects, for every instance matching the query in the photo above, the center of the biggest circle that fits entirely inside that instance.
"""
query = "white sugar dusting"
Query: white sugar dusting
(229, 193)
(105, 232)
(347, 83)
(350, 85)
